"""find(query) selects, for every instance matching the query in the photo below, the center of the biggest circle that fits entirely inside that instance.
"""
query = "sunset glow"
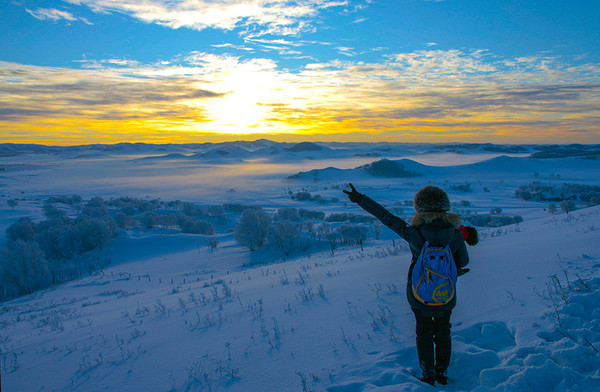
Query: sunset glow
(91, 71)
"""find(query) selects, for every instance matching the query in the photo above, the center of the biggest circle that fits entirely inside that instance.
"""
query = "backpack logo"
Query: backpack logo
(433, 278)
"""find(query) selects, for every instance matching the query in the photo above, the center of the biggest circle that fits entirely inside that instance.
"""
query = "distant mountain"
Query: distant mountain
(166, 157)
(285, 151)
(305, 146)
(226, 152)
(402, 168)
(484, 147)
(498, 167)
(572, 150)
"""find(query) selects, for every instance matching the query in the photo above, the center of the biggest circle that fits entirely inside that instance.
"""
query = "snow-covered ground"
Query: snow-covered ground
(169, 314)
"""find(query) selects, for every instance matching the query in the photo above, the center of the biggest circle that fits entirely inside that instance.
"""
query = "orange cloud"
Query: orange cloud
(421, 96)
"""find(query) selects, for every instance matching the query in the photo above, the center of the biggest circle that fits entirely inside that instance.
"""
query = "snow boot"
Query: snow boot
(441, 378)
(430, 379)
(428, 376)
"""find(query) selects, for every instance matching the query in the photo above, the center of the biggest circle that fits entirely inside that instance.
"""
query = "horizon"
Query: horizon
(114, 143)
(78, 72)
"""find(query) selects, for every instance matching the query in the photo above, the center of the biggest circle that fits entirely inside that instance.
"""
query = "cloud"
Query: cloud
(442, 63)
(346, 51)
(93, 94)
(431, 91)
(255, 17)
(55, 15)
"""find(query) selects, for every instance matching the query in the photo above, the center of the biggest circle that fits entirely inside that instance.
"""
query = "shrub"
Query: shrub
(348, 217)
(303, 196)
(465, 188)
(491, 220)
(311, 215)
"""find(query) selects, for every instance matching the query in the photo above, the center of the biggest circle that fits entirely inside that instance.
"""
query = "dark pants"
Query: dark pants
(434, 344)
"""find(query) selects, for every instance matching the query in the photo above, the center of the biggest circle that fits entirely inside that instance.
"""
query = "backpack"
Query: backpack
(434, 274)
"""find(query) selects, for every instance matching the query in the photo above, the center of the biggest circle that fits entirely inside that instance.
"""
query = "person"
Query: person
(432, 222)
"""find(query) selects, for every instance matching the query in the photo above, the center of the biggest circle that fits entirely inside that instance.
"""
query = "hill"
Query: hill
(191, 320)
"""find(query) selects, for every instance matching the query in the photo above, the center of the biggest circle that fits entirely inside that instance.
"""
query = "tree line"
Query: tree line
(287, 230)
(56, 249)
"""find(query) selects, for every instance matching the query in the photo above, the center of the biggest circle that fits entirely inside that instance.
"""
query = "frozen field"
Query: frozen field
(171, 313)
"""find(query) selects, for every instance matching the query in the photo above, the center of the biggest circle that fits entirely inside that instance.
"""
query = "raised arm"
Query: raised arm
(395, 223)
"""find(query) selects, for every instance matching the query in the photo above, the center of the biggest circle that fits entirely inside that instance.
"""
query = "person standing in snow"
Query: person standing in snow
(433, 223)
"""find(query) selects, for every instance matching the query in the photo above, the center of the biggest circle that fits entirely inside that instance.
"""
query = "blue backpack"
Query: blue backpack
(434, 275)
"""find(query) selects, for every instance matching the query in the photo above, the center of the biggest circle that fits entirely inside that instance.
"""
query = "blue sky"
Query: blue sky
(78, 71)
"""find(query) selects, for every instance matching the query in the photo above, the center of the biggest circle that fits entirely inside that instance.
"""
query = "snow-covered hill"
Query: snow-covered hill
(188, 319)
(171, 314)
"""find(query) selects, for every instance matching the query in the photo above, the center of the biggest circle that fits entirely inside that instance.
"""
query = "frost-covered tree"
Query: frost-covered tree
(218, 213)
(23, 269)
(310, 229)
(95, 208)
(377, 229)
(51, 212)
(552, 208)
(568, 206)
(166, 220)
(287, 214)
(55, 249)
(193, 225)
(332, 236)
(90, 233)
(311, 215)
(124, 221)
(56, 238)
(323, 229)
(212, 244)
(252, 228)
(149, 219)
(23, 229)
(352, 234)
(204, 227)
(286, 235)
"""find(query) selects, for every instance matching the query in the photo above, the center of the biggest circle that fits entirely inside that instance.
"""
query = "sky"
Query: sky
(178, 71)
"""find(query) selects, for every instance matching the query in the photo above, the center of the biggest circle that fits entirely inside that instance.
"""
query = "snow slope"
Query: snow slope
(192, 320)
(170, 315)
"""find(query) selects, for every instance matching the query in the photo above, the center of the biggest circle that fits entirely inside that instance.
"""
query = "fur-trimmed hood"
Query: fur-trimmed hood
(423, 218)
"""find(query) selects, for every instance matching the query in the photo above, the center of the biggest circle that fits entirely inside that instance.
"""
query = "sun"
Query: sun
(242, 108)
(238, 112)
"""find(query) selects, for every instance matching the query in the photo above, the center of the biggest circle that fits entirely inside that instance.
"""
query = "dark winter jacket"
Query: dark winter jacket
(439, 228)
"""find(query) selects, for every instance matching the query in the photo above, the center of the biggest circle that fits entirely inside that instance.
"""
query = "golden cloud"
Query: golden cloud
(416, 96)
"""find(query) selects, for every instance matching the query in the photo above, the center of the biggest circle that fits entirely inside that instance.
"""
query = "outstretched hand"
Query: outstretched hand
(354, 195)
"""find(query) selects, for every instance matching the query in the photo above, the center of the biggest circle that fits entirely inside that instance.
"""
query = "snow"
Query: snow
(169, 314)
